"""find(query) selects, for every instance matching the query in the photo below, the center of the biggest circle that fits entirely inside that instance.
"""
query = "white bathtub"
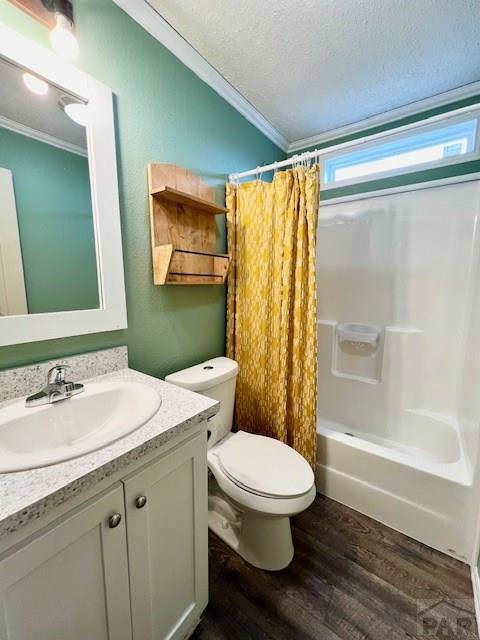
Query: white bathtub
(418, 484)
(408, 265)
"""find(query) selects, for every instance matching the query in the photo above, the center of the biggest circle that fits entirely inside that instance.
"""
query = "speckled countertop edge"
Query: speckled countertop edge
(27, 495)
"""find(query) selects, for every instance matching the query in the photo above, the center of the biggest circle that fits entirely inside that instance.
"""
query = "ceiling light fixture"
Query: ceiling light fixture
(76, 111)
(36, 85)
(62, 36)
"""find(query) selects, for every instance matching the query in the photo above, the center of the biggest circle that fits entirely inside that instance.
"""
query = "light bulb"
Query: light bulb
(77, 112)
(63, 39)
(36, 85)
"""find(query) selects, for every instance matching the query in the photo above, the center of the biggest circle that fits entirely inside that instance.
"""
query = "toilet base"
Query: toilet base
(266, 542)
(263, 541)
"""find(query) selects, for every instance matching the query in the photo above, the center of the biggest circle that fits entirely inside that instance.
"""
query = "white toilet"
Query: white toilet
(256, 483)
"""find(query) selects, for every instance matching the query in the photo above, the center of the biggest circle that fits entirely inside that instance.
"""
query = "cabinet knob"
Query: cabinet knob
(140, 502)
(114, 520)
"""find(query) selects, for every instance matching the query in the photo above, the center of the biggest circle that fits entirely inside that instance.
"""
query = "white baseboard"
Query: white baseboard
(476, 593)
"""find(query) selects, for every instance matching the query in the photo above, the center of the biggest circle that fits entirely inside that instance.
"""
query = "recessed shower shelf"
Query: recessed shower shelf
(358, 333)
(358, 352)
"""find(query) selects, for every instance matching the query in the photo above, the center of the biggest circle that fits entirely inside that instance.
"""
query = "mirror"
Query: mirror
(61, 263)
(48, 260)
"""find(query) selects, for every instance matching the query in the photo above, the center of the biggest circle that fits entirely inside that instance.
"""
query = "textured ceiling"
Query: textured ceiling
(314, 65)
(41, 113)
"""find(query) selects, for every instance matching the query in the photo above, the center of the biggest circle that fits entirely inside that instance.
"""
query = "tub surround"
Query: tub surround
(26, 496)
(398, 435)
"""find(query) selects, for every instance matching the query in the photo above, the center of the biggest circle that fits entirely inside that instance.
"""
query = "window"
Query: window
(448, 142)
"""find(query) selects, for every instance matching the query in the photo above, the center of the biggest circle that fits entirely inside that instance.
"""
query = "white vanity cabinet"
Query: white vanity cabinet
(71, 580)
(167, 529)
(128, 564)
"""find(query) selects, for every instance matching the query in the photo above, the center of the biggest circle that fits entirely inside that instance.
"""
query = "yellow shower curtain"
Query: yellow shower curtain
(271, 321)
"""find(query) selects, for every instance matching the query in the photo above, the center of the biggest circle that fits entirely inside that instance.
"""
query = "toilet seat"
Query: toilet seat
(246, 499)
(264, 466)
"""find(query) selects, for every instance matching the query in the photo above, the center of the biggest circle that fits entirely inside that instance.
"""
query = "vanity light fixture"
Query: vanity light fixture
(76, 111)
(62, 36)
(35, 84)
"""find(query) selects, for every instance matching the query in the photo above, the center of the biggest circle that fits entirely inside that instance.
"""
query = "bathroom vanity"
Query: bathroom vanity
(112, 544)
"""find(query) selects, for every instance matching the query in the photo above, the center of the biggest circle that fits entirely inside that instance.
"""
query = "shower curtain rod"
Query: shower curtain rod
(311, 155)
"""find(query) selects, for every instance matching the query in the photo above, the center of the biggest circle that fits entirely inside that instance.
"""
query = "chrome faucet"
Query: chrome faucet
(57, 388)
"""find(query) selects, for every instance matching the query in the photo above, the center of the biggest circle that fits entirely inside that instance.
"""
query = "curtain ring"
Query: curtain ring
(257, 173)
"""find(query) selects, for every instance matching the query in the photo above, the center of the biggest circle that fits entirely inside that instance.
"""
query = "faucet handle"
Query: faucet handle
(56, 374)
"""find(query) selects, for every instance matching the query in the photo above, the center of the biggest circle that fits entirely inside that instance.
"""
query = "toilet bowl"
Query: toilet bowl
(255, 483)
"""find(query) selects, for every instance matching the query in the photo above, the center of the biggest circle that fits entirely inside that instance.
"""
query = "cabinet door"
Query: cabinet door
(70, 582)
(167, 542)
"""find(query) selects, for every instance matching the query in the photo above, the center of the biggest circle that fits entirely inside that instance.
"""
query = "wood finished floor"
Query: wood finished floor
(351, 579)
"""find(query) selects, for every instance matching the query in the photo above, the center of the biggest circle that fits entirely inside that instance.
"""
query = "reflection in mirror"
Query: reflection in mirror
(47, 242)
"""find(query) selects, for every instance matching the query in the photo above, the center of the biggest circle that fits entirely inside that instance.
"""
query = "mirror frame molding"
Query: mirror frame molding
(112, 313)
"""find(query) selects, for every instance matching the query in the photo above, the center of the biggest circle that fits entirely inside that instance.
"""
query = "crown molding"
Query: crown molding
(23, 130)
(148, 18)
(439, 100)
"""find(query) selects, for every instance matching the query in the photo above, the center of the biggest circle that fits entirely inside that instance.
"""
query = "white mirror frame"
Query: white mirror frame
(112, 314)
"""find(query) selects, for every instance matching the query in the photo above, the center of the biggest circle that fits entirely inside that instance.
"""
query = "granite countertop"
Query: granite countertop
(27, 495)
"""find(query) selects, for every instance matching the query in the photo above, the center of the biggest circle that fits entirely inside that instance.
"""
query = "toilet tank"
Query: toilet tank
(215, 378)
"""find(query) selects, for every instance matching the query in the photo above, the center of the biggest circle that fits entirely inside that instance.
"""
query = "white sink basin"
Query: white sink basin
(45, 435)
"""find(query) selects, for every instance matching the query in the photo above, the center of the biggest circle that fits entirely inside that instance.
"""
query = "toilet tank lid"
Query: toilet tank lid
(204, 375)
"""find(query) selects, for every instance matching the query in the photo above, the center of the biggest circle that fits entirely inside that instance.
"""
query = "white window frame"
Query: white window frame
(424, 166)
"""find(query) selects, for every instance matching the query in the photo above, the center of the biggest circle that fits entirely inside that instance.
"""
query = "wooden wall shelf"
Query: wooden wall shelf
(179, 266)
(181, 197)
(183, 228)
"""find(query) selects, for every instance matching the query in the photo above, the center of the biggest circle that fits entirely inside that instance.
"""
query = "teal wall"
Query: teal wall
(164, 113)
(410, 178)
(54, 213)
